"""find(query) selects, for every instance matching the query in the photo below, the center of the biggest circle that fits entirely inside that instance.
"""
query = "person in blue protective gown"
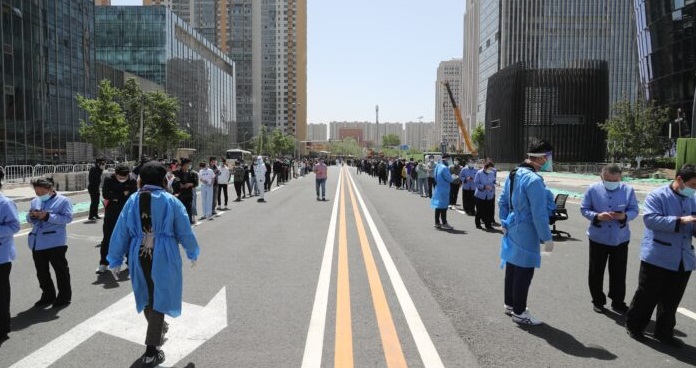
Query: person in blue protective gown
(441, 195)
(666, 257)
(149, 230)
(524, 213)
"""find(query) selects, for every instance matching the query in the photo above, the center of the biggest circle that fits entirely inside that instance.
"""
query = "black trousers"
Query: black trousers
(110, 220)
(517, 282)
(485, 211)
(617, 256)
(659, 287)
(468, 201)
(454, 193)
(56, 258)
(94, 202)
(222, 189)
(440, 215)
(431, 186)
(238, 186)
(155, 319)
(5, 269)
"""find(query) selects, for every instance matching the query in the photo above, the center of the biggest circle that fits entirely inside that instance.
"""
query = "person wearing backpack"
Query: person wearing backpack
(239, 175)
(149, 230)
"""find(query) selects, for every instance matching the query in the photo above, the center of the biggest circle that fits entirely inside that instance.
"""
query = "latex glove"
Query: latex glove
(193, 263)
(115, 271)
(548, 246)
(504, 231)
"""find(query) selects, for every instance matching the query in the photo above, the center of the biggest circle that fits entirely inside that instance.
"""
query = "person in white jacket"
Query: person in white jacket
(260, 171)
(223, 180)
(206, 176)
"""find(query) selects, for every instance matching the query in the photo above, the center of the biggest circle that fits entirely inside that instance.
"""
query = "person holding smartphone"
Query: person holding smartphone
(609, 205)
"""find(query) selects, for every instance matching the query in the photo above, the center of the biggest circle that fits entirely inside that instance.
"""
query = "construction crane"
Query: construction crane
(458, 114)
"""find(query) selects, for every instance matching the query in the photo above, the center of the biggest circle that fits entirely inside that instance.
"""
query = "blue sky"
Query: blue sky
(367, 52)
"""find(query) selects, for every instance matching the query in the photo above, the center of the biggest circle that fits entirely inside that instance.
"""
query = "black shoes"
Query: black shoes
(598, 308)
(94, 218)
(635, 335)
(620, 308)
(58, 304)
(670, 341)
(261, 200)
(44, 302)
(152, 360)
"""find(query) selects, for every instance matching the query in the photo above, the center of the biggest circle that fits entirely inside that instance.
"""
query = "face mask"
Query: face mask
(488, 171)
(470, 165)
(456, 163)
(432, 159)
(612, 185)
(687, 192)
(547, 166)
(45, 197)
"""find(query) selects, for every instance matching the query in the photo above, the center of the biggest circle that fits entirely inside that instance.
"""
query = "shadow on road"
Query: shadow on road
(568, 344)
(33, 316)
(454, 231)
(686, 355)
(138, 364)
(107, 281)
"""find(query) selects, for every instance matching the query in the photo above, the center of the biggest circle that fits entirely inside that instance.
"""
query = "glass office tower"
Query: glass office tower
(48, 57)
(667, 52)
(155, 44)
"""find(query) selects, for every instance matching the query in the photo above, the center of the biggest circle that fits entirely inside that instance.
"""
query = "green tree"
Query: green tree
(348, 146)
(106, 127)
(261, 142)
(162, 131)
(478, 136)
(390, 140)
(634, 131)
(131, 98)
(281, 143)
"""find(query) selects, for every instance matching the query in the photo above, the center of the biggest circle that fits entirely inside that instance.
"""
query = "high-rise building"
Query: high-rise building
(667, 55)
(268, 42)
(155, 44)
(48, 57)
(558, 34)
(470, 69)
(317, 132)
(419, 135)
(446, 127)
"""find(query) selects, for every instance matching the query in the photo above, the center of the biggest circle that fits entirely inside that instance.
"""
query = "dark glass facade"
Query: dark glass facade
(48, 57)
(560, 105)
(155, 44)
(667, 54)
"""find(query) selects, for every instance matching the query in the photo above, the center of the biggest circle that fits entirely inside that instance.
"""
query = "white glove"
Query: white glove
(504, 231)
(115, 271)
(193, 263)
(548, 246)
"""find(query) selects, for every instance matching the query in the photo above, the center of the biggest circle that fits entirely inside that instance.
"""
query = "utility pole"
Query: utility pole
(140, 131)
(377, 123)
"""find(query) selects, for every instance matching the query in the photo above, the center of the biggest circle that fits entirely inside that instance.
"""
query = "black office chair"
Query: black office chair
(560, 214)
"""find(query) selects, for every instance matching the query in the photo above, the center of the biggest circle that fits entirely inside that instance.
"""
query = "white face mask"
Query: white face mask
(122, 180)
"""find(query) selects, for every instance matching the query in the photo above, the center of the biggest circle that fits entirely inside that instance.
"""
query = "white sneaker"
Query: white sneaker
(508, 310)
(526, 318)
(102, 269)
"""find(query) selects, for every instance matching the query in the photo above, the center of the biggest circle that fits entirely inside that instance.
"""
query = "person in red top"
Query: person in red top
(320, 171)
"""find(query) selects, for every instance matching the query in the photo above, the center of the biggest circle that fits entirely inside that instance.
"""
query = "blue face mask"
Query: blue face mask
(612, 185)
(687, 192)
(548, 165)
(45, 197)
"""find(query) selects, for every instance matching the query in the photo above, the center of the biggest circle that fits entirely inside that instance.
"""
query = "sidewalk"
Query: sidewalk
(23, 194)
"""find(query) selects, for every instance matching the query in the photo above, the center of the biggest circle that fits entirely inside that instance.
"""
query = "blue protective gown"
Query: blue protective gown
(441, 194)
(171, 226)
(527, 223)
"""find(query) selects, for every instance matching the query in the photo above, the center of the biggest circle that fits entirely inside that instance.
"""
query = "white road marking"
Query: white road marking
(426, 348)
(314, 345)
(687, 313)
(186, 333)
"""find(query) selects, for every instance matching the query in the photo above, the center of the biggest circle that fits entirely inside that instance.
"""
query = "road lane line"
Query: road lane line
(687, 313)
(314, 345)
(390, 338)
(343, 353)
(426, 348)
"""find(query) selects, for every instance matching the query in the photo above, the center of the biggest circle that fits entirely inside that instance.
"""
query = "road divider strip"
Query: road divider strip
(393, 353)
(428, 353)
(343, 353)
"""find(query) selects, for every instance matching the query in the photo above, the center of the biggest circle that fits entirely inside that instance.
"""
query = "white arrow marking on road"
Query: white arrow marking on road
(687, 313)
(186, 333)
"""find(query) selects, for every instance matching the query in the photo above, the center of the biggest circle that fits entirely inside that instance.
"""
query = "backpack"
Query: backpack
(414, 173)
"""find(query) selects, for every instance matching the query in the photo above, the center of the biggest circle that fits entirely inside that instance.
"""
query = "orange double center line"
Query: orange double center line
(390, 339)
(343, 354)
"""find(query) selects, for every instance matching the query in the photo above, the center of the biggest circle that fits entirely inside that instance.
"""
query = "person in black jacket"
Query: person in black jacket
(183, 186)
(94, 182)
(116, 190)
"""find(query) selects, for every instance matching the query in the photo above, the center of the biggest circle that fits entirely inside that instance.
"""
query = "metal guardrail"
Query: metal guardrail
(25, 173)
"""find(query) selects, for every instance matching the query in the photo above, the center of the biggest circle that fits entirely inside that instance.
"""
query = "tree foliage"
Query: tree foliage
(635, 130)
(131, 98)
(106, 127)
(390, 140)
(348, 146)
(162, 132)
(273, 142)
(478, 136)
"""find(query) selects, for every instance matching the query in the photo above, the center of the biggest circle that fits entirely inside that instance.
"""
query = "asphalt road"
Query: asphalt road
(306, 283)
